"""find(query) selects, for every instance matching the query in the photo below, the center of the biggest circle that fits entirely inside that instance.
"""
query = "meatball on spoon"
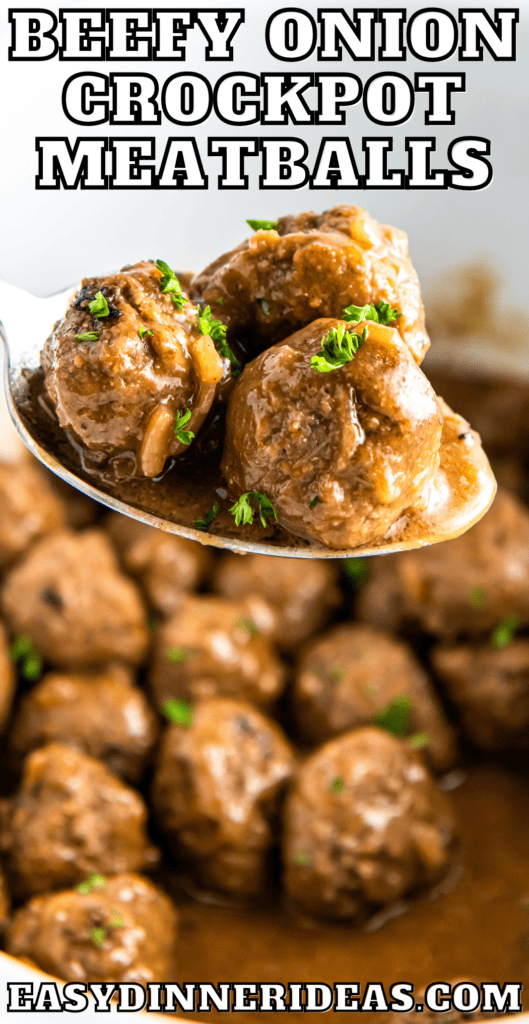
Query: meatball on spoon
(193, 499)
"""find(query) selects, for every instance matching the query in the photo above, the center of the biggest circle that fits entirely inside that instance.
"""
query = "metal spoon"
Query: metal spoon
(25, 323)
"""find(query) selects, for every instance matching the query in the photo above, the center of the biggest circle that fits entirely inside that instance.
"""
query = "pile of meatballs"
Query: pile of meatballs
(258, 728)
(345, 457)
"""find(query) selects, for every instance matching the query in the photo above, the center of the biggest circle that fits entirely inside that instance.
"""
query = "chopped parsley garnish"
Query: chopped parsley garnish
(477, 598)
(315, 501)
(205, 523)
(98, 936)
(248, 625)
(91, 883)
(383, 313)
(337, 786)
(303, 858)
(88, 336)
(217, 332)
(358, 569)
(23, 650)
(419, 740)
(243, 511)
(262, 225)
(179, 712)
(264, 306)
(116, 920)
(99, 305)
(143, 332)
(338, 347)
(503, 635)
(170, 285)
(153, 623)
(184, 436)
(395, 718)
(336, 675)
(218, 302)
(179, 655)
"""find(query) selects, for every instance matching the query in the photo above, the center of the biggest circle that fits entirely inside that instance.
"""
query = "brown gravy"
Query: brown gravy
(190, 486)
(475, 926)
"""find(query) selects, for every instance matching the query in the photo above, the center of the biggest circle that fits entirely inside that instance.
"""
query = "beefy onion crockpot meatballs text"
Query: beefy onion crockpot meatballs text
(289, 386)
(210, 760)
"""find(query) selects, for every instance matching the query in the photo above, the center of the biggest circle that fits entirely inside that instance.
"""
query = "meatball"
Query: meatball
(117, 379)
(29, 507)
(287, 601)
(5, 903)
(166, 565)
(211, 647)
(462, 587)
(364, 825)
(69, 595)
(7, 680)
(490, 690)
(102, 714)
(120, 929)
(70, 817)
(216, 790)
(354, 675)
(341, 455)
(314, 265)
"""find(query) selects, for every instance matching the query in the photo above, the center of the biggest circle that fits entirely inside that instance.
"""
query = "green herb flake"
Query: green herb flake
(179, 712)
(315, 501)
(92, 882)
(395, 718)
(216, 330)
(218, 302)
(419, 740)
(205, 523)
(116, 920)
(23, 650)
(339, 347)
(170, 285)
(98, 936)
(143, 332)
(503, 635)
(265, 306)
(383, 313)
(153, 623)
(336, 675)
(243, 511)
(303, 858)
(88, 336)
(184, 436)
(358, 569)
(99, 305)
(179, 655)
(248, 625)
(262, 225)
(337, 786)
(477, 598)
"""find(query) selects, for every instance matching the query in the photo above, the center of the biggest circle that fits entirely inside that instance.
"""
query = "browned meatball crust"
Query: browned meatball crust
(70, 596)
(465, 586)
(120, 391)
(364, 825)
(352, 674)
(363, 439)
(211, 647)
(124, 930)
(5, 903)
(314, 265)
(288, 601)
(166, 565)
(7, 680)
(102, 714)
(490, 690)
(216, 789)
(29, 507)
(71, 817)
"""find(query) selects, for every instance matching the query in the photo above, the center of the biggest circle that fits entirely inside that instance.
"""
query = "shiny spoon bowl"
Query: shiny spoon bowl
(26, 321)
